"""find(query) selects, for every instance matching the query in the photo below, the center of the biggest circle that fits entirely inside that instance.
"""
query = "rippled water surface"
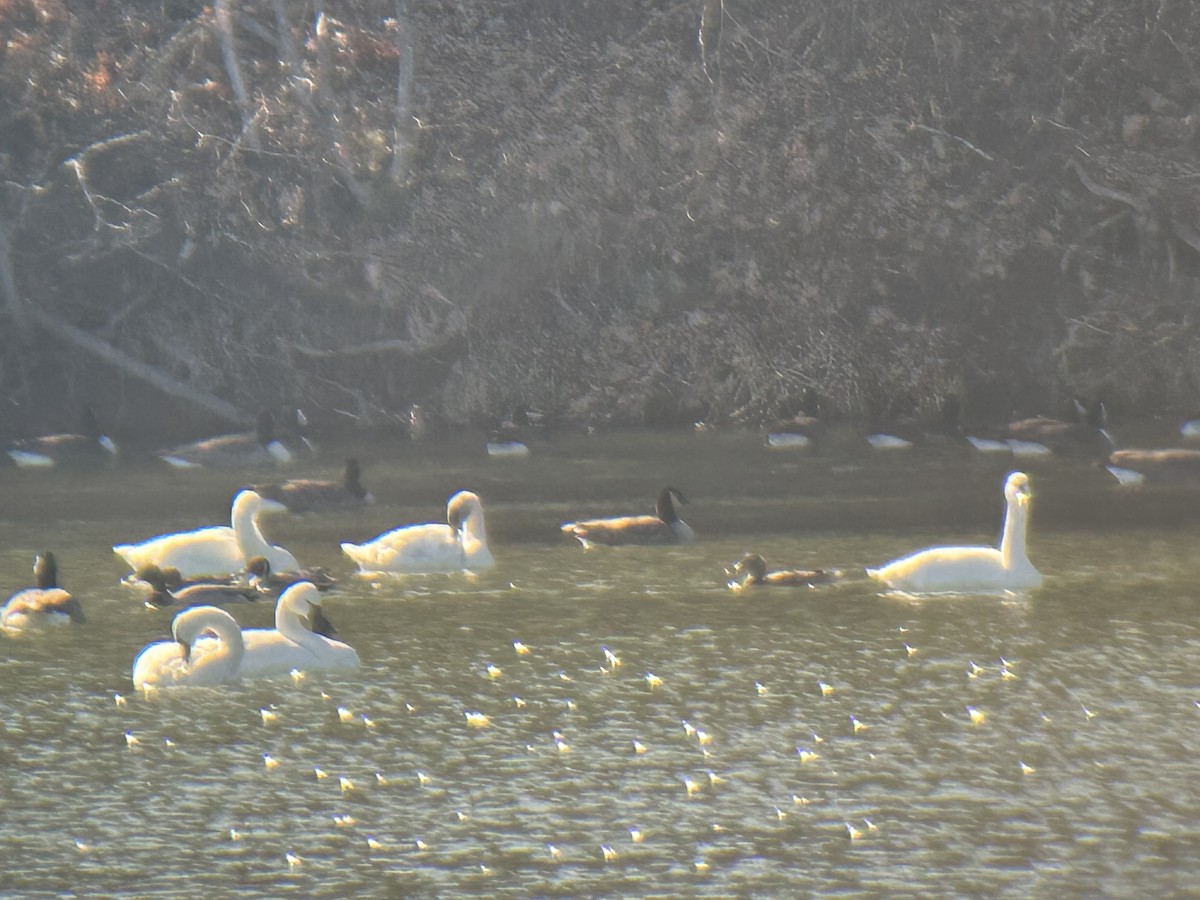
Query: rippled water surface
(1075, 775)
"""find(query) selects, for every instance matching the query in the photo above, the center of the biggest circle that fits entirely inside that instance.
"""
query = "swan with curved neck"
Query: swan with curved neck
(428, 549)
(291, 644)
(216, 550)
(664, 527)
(972, 569)
(190, 659)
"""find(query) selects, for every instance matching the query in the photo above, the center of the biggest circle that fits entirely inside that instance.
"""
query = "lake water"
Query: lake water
(1076, 775)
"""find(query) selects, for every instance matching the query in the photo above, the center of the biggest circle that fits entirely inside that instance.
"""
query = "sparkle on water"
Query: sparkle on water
(1062, 761)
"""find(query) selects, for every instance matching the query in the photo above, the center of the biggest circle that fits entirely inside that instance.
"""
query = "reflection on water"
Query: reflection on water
(1074, 773)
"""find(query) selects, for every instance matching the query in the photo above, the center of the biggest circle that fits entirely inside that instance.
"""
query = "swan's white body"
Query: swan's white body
(216, 550)
(290, 644)
(972, 569)
(1026, 449)
(884, 441)
(989, 445)
(787, 440)
(507, 448)
(430, 549)
(189, 660)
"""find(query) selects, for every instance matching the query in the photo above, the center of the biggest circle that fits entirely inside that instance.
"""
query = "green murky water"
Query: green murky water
(1075, 775)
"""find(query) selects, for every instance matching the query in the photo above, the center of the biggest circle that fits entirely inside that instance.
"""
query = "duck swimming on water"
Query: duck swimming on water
(255, 448)
(310, 495)
(90, 445)
(168, 589)
(664, 527)
(751, 571)
(46, 603)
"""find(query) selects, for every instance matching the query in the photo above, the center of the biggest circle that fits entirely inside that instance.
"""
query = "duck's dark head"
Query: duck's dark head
(751, 566)
(258, 567)
(162, 582)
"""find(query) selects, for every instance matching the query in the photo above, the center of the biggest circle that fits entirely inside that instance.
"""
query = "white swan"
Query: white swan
(216, 550)
(291, 644)
(972, 569)
(427, 549)
(188, 659)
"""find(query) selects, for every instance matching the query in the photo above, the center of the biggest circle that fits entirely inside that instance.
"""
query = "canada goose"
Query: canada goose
(45, 603)
(310, 495)
(90, 446)
(664, 527)
(229, 451)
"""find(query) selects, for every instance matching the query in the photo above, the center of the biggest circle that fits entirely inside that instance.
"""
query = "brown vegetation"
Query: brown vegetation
(616, 212)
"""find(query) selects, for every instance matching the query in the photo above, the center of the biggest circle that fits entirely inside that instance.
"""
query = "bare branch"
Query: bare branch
(224, 23)
(953, 137)
(142, 371)
(401, 145)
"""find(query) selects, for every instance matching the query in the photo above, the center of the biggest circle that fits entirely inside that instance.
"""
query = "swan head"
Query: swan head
(251, 502)
(195, 621)
(461, 507)
(304, 599)
(1017, 489)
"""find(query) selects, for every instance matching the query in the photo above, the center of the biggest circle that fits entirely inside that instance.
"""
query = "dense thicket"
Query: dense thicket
(631, 211)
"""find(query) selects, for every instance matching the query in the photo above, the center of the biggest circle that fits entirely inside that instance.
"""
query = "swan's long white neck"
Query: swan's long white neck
(292, 605)
(1012, 543)
(473, 531)
(230, 647)
(245, 528)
